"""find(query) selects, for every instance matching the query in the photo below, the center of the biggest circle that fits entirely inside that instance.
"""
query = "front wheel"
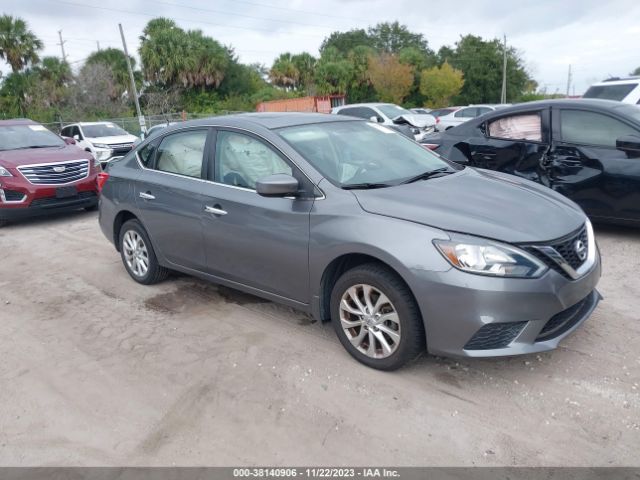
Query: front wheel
(138, 256)
(376, 317)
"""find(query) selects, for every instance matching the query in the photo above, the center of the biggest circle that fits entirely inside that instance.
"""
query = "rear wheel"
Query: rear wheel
(138, 256)
(376, 317)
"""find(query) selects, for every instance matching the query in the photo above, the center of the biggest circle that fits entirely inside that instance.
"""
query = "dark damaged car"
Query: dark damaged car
(588, 150)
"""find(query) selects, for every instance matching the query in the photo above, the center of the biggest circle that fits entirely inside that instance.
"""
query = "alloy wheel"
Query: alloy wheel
(136, 254)
(370, 321)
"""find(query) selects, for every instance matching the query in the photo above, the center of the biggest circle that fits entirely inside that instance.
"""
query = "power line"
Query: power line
(74, 4)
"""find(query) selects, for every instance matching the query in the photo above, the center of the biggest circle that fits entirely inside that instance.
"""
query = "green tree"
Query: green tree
(481, 63)
(334, 73)
(18, 45)
(344, 42)
(116, 61)
(636, 71)
(440, 84)
(360, 88)
(284, 72)
(391, 79)
(393, 37)
(305, 63)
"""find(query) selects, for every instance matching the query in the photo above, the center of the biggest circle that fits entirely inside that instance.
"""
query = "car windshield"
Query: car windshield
(393, 111)
(13, 137)
(632, 111)
(354, 153)
(610, 92)
(103, 130)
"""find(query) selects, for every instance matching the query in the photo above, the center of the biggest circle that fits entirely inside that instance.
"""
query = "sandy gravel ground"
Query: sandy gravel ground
(97, 370)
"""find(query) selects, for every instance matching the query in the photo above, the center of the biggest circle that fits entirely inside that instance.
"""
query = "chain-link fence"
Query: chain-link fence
(131, 125)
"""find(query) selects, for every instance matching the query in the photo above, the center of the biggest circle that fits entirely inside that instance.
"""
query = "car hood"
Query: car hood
(479, 202)
(31, 156)
(417, 120)
(115, 139)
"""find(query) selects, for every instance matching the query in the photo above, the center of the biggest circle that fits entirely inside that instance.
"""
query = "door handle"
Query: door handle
(215, 210)
(146, 196)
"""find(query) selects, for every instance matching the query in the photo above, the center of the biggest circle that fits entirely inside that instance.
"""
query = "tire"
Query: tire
(133, 233)
(377, 279)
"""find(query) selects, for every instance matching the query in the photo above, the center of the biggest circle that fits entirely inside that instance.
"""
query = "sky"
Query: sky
(598, 39)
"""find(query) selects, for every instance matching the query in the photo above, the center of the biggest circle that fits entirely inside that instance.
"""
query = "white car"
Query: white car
(104, 140)
(461, 114)
(391, 115)
(626, 90)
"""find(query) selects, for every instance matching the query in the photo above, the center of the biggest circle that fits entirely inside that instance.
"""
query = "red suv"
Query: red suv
(42, 173)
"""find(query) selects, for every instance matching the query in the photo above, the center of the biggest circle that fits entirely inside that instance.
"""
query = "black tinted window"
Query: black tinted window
(610, 92)
(182, 153)
(145, 154)
(360, 112)
(578, 126)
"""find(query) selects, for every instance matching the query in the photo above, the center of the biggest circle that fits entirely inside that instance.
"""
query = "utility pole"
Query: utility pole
(98, 44)
(503, 95)
(62, 42)
(569, 80)
(134, 90)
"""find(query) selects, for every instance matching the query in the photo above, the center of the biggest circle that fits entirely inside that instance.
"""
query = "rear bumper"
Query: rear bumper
(469, 315)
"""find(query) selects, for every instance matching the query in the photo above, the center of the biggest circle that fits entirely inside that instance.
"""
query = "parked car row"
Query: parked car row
(104, 140)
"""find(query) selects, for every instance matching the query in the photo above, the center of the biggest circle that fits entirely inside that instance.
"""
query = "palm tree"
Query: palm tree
(284, 73)
(18, 45)
(116, 61)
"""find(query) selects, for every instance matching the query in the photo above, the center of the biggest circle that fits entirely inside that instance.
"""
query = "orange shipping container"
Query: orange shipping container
(320, 104)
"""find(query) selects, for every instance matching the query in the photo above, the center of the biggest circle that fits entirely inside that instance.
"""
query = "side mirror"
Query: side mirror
(69, 141)
(376, 119)
(76, 137)
(629, 144)
(279, 185)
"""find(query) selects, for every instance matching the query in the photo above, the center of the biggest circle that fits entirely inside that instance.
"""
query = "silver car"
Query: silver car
(352, 222)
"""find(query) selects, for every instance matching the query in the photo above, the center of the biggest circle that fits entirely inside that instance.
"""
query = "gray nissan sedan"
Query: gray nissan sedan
(347, 220)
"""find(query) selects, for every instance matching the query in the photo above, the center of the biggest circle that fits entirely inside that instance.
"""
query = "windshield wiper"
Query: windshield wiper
(430, 174)
(35, 146)
(365, 186)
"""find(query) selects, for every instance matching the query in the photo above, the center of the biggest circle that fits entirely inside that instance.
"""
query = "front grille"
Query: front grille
(567, 319)
(56, 173)
(13, 196)
(53, 202)
(121, 148)
(566, 247)
(494, 335)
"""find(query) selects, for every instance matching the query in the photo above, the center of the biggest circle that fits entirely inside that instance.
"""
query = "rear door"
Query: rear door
(249, 239)
(514, 143)
(170, 195)
(586, 166)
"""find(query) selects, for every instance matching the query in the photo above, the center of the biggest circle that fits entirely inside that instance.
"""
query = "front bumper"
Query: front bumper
(41, 199)
(468, 315)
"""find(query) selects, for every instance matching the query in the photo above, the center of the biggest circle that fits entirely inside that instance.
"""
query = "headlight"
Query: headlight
(484, 257)
(4, 172)
(102, 155)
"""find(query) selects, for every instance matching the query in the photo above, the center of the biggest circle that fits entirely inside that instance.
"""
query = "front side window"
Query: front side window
(526, 126)
(349, 153)
(466, 113)
(582, 127)
(182, 153)
(242, 160)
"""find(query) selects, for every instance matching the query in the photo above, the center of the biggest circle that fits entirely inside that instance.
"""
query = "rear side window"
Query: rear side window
(610, 92)
(182, 153)
(517, 127)
(579, 126)
(360, 112)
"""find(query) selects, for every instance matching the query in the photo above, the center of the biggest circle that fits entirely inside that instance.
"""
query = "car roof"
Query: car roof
(82, 124)
(17, 121)
(269, 120)
(618, 81)
(594, 103)
(369, 104)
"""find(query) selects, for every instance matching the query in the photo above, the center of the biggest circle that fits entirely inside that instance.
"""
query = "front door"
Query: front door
(170, 195)
(586, 166)
(513, 143)
(253, 240)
